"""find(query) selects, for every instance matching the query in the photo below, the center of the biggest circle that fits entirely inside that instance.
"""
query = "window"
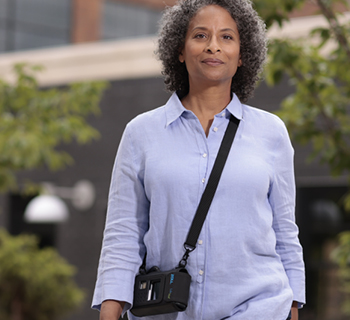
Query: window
(27, 24)
(124, 21)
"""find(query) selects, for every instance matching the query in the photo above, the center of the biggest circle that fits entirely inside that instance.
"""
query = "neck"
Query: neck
(206, 103)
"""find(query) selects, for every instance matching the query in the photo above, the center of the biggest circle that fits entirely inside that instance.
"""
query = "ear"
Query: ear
(240, 63)
(181, 58)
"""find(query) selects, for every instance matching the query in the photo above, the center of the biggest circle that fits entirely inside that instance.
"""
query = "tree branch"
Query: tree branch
(331, 17)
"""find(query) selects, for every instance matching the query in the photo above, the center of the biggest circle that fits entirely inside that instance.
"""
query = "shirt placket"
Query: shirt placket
(203, 155)
(206, 164)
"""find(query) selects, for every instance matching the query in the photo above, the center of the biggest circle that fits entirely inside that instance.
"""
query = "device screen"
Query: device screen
(153, 291)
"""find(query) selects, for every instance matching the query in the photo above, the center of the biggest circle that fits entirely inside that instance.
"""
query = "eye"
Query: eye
(227, 37)
(200, 36)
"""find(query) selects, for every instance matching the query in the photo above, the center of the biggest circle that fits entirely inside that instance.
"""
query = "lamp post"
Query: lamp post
(49, 206)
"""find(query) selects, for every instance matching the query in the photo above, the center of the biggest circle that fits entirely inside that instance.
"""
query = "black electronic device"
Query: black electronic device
(161, 292)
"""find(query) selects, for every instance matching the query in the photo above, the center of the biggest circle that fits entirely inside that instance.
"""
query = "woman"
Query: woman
(248, 261)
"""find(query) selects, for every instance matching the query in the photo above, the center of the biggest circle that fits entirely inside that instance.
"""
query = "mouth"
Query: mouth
(213, 62)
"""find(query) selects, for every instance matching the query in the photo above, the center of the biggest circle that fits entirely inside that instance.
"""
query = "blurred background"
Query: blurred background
(113, 41)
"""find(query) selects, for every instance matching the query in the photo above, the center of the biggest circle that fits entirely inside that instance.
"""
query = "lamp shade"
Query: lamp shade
(46, 209)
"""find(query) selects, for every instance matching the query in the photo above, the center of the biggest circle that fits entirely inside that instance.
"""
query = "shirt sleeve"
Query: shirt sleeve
(282, 200)
(126, 223)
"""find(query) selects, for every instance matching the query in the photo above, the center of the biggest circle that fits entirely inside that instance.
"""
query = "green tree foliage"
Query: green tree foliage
(318, 112)
(276, 11)
(34, 122)
(35, 284)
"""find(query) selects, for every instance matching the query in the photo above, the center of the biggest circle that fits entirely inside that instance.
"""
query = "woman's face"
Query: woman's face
(212, 47)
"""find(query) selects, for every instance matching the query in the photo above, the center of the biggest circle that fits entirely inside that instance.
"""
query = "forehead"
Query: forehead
(212, 14)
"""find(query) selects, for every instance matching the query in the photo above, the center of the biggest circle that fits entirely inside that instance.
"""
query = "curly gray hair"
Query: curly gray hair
(253, 49)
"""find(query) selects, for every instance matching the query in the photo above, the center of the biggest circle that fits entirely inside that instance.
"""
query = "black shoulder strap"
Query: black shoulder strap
(209, 192)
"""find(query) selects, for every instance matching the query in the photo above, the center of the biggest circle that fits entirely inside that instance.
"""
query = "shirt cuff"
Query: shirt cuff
(114, 285)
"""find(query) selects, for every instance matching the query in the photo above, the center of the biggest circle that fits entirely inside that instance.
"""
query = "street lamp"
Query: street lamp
(49, 206)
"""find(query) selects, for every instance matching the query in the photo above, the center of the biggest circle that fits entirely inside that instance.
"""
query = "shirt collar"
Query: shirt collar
(174, 108)
(235, 107)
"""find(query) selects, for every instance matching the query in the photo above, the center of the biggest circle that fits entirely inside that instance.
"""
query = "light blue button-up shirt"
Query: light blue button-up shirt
(248, 262)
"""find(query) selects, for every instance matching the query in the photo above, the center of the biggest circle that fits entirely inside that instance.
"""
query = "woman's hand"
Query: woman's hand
(295, 315)
(111, 309)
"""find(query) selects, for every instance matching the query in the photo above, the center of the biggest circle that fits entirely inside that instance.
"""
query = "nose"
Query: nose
(213, 45)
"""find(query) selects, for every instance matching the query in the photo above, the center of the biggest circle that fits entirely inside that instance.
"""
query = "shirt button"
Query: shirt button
(223, 114)
(204, 155)
(215, 129)
(201, 272)
(203, 180)
(200, 241)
